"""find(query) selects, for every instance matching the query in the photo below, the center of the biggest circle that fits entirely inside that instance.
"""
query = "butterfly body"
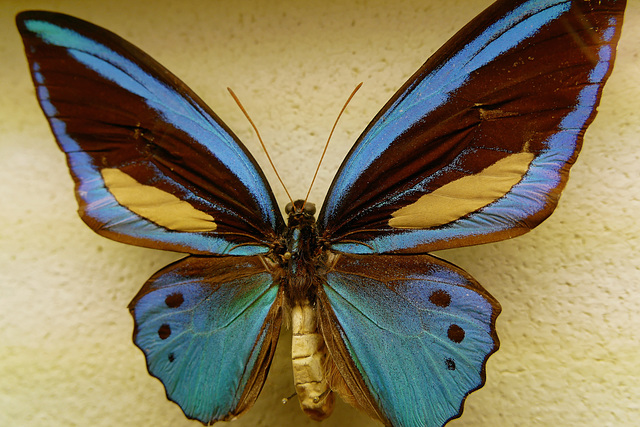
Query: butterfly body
(302, 266)
(475, 147)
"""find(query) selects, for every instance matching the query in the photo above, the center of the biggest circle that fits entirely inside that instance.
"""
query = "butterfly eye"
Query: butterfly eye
(309, 208)
(289, 208)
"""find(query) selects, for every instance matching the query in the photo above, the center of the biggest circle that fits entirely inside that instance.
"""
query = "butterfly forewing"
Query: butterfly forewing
(477, 145)
(153, 165)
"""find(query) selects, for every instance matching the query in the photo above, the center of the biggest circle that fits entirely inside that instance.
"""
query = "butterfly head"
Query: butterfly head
(300, 211)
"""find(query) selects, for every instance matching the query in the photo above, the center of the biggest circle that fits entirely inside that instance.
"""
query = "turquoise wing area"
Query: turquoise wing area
(208, 328)
(410, 335)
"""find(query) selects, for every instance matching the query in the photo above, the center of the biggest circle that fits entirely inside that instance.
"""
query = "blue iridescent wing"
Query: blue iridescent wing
(477, 145)
(153, 165)
(208, 327)
(410, 335)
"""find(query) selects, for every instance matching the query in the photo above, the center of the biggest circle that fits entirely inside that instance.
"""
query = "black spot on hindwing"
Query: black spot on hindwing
(450, 363)
(174, 300)
(164, 332)
(440, 298)
(455, 333)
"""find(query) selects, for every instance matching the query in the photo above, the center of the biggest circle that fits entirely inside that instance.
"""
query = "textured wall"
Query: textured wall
(570, 290)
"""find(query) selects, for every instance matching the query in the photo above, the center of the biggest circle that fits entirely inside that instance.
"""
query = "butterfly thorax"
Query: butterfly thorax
(302, 251)
(308, 350)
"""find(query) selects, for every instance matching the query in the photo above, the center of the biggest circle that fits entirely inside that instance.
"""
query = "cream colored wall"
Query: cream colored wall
(570, 290)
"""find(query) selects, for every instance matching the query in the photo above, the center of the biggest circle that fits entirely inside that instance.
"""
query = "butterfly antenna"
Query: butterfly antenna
(329, 139)
(261, 142)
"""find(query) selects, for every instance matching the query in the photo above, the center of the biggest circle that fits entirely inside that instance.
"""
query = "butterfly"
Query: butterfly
(474, 148)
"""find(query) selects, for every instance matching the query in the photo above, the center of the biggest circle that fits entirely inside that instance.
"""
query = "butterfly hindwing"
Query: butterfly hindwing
(410, 335)
(208, 327)
(147, 155)
(477, 145)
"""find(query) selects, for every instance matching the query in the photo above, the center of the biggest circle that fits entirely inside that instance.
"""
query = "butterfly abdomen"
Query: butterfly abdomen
(309, 354)
(308, 350)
